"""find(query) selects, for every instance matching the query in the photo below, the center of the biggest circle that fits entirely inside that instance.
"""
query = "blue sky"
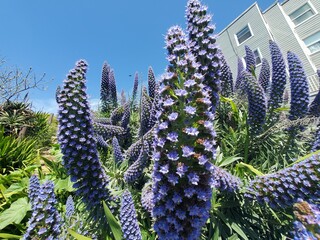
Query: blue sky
(50, 36)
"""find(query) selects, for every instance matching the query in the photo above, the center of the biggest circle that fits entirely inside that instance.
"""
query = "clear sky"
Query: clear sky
(50, 36)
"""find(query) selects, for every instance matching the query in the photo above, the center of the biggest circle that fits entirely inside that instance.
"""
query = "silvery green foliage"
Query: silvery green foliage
(225, 181)
(264, 77)
(257, 104)
(116, 115)
(182, 173)
(226, 78)
(283, 188)
(307, 224)
(145, 106)
(278, 79)
(151, 83)
(239, 80)
(136, 169)
(299, 88)
(117, 154)
(45, 221)
(105, 88)
(204, 47)
(314, 108)
(250, 60)
(108, 131)
(34, 186)
(69, 207)
(146, 197)
(78, 144)
(113, 89)
(133, 151)
(128, 218)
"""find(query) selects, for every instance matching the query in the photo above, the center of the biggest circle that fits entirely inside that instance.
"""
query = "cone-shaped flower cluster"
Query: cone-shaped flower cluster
(136, 169)
(316, 143)
(102, 143)
(146, 105)
(204, 47)
(45, 222)
(226, 79)
(69, 207)
(184, 145)
(105, 88)
(146, 197)
(299, 88)
(225, 181)
(239, 80)
(155, 109)
(264, 77)
(116, 115)
(250, 60)
(113, 89)
(34, 186)
(117, 154)
(128, 218)
(151, 83)
(307, 225)
(279, 76)
(285, 187)
(135, 87)
(314, 108)
(257, 104)
(77, 141)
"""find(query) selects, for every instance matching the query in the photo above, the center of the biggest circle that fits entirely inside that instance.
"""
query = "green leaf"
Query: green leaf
(15, 213)
(251, 168)
(114, 224)
(9, 236)
(77, 235)
(228, 161)
(64, 184)
(238, 230)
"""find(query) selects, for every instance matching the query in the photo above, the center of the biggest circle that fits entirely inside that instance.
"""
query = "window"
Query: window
(243, 34)
(313, 42)
(302, 13)
(257, 55)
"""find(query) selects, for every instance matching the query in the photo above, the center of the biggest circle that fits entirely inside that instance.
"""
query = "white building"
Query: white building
(293, 24)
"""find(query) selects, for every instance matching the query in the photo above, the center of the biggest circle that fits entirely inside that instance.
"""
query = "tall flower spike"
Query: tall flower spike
(135, 87)
(113, 89)
(151, 83)
(257, 104)
(226, 79)
(146, 197)
(204, 47)
(45, 221)
(307, 225)
(264, 77)
(239, 80)
(225, 181)
(155, 109)
(136, 169)
(69, 207)
(285, 187)
(105, 88)
(117, 154)
(250, 59)
(279, 76)
(116, 115)
(128, 218)
(123, 99)
(77, 141)
(299, 88)
(146, 105)
(108, 131)
(34, 186)
(182, 173)
(314, 108)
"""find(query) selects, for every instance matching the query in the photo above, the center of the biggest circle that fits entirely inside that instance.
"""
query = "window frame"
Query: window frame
(260, 56)
(317, 41)
(236, 35)
(312, 8)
